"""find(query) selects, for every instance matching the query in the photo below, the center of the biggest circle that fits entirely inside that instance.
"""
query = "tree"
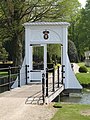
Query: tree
(66, 11)
(13, 13)
(3, 53)
(62, 10)
(82, 41)
(72, 52)
(54, 51)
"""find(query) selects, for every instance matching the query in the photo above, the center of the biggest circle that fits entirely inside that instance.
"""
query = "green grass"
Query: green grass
(84, 78)
(88, 69)
(83, 64)
(71, 112)
(3, 73)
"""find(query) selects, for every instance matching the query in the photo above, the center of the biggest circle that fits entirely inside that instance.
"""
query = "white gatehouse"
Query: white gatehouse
(39, 34)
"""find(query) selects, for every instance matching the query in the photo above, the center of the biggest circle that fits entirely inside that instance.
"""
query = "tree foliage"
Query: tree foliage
(72, 52)
(82, 31)
(54, 53)
(13, 13)
(3, 53)
(83, 69)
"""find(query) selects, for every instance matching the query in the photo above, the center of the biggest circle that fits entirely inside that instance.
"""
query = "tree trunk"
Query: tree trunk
(17, 50)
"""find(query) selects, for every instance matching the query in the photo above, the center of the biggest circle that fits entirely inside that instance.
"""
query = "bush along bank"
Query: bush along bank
(84, 75)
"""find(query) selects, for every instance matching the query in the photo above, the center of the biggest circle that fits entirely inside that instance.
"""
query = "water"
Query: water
(82, 98)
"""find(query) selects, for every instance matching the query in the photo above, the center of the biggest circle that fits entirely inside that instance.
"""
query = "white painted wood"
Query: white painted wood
(54, 95)
(64, 60)
(36, 76)
(72, 82)
(22, 76)
(46, 24)
(58, 33)
(45, 58)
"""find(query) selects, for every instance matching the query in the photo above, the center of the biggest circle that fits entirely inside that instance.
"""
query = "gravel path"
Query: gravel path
(16, 110)
(13, 107)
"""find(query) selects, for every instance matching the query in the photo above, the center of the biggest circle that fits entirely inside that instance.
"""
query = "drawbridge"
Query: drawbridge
(37, 36)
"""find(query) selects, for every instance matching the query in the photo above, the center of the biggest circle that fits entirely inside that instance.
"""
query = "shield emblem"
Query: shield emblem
(46, 34)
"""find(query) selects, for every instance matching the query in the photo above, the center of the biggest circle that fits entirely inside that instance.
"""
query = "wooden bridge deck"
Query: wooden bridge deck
(32, 94)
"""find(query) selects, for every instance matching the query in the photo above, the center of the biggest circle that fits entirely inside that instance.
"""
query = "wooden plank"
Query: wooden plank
(54, 94)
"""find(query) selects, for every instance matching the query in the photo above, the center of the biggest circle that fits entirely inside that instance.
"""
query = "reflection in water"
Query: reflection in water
(77, 98)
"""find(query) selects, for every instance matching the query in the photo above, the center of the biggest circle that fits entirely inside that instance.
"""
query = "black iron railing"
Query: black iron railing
(63, 73)
(43, 87)
(50, 82)
(26, 73)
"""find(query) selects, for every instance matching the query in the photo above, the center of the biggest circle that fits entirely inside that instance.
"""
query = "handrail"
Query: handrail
(51, 79)
(9, 78)
(10, 74)
(4, 69)
(50, 69)
(4, 76)
(6, 83)
(9, 68)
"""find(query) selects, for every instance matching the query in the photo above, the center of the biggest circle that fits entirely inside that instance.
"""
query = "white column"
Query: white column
(65, 49)
(45, 57)
(26, 44)
(61, 54)
(28, 50)
(61, 61)
(30, 61)
(31, 57)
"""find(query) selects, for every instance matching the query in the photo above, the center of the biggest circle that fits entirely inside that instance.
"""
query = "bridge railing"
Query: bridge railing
(49, 83)
(8, 77)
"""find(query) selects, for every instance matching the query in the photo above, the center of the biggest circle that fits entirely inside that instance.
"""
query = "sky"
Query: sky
(83, 2)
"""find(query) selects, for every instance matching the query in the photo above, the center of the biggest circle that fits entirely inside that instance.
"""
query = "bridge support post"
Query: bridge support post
(43, 87)
(63, 71)
(46, 82)
(9, 78)
(58, 76)
(53, 79)
(26, 72)
(19, 76)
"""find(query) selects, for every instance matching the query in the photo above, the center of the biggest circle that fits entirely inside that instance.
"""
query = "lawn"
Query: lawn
(3, 73)
(83, 64)
(72, 112)
(84, 78)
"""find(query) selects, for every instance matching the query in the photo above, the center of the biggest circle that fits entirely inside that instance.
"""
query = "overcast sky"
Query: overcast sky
(83, 2)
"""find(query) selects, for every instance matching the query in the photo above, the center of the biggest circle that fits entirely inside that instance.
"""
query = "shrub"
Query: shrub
(72, 51)
(57, 105)
(83, 69)
(50, 65)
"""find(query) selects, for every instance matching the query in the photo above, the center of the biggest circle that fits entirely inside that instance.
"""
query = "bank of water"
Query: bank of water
(80, 98)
